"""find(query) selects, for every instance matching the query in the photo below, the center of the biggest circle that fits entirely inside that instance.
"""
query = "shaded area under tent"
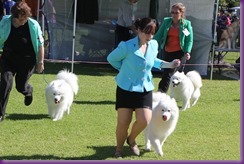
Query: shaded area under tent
(92, 41)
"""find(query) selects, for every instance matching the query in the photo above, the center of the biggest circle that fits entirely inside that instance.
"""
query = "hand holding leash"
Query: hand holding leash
(175, 63)
(187, 56)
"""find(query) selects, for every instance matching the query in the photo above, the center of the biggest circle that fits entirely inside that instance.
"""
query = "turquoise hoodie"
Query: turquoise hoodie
(35, 32)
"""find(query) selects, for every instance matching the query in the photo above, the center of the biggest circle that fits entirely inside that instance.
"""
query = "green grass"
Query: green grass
(231, 57)
(208, 131)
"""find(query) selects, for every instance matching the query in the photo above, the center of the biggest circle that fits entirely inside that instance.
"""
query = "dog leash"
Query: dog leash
(44, 77)
(182, 64)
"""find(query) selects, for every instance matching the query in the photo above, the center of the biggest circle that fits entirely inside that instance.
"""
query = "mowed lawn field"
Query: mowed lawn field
(211, 130)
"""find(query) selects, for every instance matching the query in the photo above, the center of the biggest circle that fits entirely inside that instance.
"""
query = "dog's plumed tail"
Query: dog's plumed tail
(70, 78)
(196, 79)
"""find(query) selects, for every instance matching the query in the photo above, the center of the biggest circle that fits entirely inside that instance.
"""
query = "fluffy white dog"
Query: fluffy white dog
(186, 88)
(165, 114)
(60, 94)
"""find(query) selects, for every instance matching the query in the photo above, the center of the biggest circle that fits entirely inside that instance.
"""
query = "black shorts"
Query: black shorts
(127, 99)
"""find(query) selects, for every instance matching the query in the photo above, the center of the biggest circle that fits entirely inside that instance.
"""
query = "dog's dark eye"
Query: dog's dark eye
(168, 110)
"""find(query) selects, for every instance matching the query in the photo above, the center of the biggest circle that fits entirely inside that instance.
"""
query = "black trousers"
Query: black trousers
(121, 34)
(219, 33)
(163, 85)
(22, 70)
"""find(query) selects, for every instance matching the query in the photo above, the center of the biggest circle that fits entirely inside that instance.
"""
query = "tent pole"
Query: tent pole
(43, 22)
(213, 46)
(74, 28)
(38, 17)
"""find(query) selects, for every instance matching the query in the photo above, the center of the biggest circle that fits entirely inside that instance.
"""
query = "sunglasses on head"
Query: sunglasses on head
(175, 12)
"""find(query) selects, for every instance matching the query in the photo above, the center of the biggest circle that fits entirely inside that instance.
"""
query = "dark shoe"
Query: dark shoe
(1, 118)
(133, 147)
(28, 100)
(118, 154)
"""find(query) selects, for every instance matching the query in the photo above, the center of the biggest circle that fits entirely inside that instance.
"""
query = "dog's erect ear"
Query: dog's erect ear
(176, 72)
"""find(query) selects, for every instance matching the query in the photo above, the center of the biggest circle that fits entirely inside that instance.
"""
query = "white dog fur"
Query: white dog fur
(165, 114)
(60, 94)
(186, 88)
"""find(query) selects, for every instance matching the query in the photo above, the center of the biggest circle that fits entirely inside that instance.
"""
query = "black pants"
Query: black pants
(22, 69)
(163, 85)
(121, 34)
(219, 33)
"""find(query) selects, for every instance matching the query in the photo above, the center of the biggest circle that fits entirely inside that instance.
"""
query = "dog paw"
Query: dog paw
(55, 119)
(194, 103)
(183, 109)
(161, 154)
(147, 149)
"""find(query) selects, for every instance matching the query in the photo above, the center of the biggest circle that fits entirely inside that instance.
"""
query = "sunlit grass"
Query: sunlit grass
(208, 131)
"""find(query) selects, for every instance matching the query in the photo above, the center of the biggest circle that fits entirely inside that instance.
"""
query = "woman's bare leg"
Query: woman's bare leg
(124, 117)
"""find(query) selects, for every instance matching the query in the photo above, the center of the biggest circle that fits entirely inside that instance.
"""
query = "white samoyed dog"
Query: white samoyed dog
(60, 94)
(186, 88)
(165, 114)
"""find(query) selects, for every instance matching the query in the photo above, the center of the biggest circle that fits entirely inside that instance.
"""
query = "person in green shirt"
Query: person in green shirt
(175, 37)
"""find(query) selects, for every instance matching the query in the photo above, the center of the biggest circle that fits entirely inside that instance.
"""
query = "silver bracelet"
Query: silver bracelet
(161, 65)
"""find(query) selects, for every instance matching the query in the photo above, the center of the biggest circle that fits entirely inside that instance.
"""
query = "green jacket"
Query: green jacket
(35, 32)
(186, 42)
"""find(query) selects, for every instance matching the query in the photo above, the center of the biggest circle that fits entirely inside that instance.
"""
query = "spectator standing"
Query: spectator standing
(126, 16)
(7, 5)
(1, 9)
(221, 24)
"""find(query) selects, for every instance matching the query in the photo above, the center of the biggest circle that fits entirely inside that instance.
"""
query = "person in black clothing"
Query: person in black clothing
(125, 29)
(221, 24)
(1, 9)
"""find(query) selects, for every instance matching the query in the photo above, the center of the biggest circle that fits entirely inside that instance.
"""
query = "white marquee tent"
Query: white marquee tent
(83, 30)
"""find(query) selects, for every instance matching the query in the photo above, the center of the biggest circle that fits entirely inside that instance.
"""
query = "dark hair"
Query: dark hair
(146, 25)
(21, 9)
(222, 11)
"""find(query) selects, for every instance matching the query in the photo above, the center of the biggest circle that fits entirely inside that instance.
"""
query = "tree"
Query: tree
(225, 4)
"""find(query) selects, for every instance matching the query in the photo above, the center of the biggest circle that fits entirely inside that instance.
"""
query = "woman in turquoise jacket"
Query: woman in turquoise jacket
(175, 36)
(134, 60)
(22, 43)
